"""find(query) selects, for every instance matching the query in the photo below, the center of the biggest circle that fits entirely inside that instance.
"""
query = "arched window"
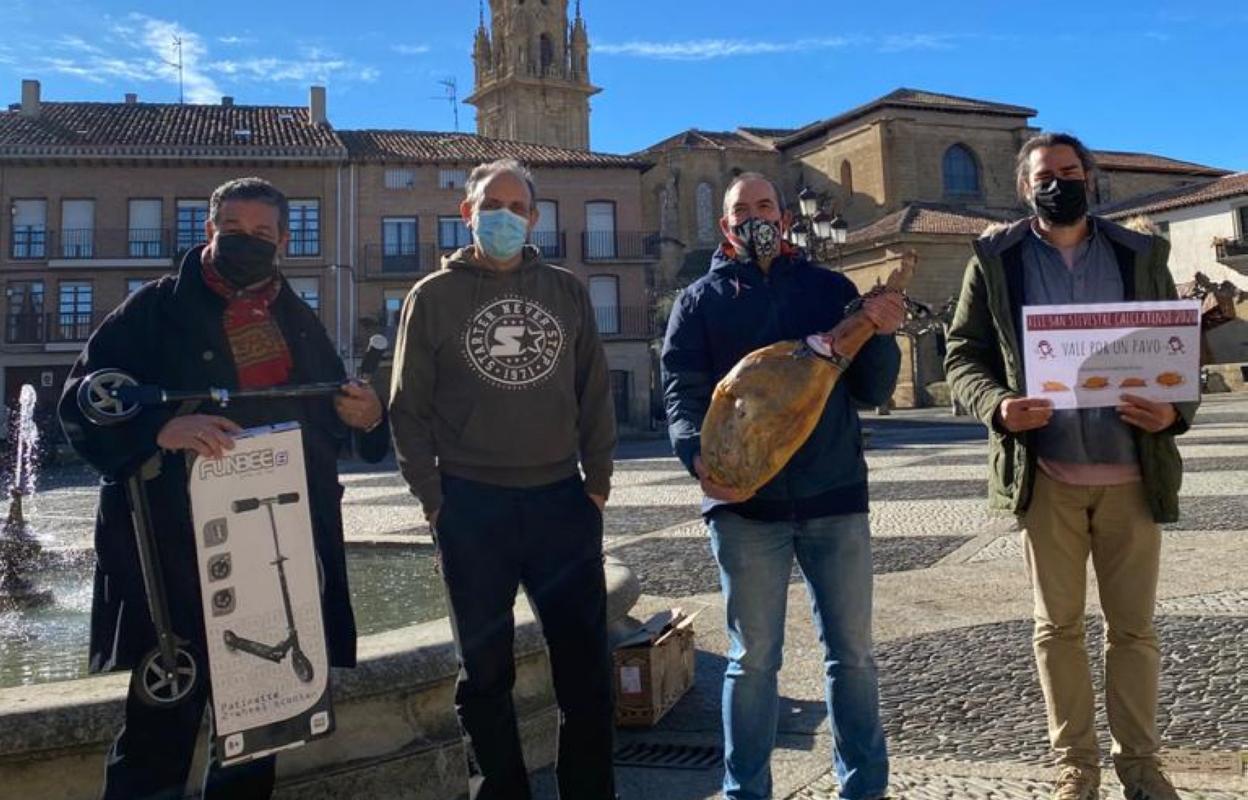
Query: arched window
(847, 179)
(705, 203)
(961, 171)
(548, 53)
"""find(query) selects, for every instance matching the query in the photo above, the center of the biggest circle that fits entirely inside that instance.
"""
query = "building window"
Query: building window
(604, 295)
(400, 178)
(620, 395)
(398, 245)
(135, 284)
(145, 238)
(393, 299)
(547, 53)
(453, 233)
(847, 179)
(961, 172)
(452, 178)
(308, 290)
(24, 310)
(192, 217)
(705, 200)
(600, 229)
(77, 229)
(74, 307)
(1103, 194)
(546, 231)
(305, 229)
(30, 229)
(1242, 214)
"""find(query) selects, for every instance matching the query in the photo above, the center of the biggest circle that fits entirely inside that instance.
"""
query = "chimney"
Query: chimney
(227, 101)
(131, 98)
(30, 98)
(316, 106)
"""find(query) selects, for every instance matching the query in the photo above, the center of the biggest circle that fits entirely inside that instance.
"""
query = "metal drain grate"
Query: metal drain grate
(669, 756)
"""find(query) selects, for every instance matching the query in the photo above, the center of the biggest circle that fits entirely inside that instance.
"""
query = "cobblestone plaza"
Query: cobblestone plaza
(961, 704)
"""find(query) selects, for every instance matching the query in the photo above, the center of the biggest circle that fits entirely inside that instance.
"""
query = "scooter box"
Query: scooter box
(261, 595)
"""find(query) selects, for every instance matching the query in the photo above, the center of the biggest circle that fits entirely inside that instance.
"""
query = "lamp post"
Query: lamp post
(815, 228)
(348, 353)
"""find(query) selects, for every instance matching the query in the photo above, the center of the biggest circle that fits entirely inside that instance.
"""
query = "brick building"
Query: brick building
(105, 196)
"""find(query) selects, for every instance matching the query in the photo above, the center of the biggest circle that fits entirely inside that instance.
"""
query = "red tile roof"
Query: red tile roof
(162, 129)
(467, 148)
(924, 218)
(910, 99)
(710, 140)
(1147, 162)
(1233, 185)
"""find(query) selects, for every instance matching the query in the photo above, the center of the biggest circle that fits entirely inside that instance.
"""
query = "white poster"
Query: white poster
(1086, 356)
(261, 595)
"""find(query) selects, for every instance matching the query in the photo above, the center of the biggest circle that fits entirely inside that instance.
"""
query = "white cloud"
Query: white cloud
(410, 49)
(706, 49)
(141, 49)
(897, 43)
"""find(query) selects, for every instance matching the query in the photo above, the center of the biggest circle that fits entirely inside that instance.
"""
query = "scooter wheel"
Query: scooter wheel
(98, 400)
(302, 666)
(160, 688)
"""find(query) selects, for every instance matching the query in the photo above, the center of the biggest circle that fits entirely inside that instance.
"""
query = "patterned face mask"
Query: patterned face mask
(761, 238)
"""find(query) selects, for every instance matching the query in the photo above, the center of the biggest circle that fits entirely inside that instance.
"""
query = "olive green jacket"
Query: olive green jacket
(984, 362)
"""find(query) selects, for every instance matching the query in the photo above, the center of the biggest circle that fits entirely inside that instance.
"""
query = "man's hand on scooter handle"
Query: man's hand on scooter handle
(208, 435)
(358, 405)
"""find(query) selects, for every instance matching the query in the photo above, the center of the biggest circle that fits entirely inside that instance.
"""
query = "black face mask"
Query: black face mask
(1061, 201)
(761, 238)
(244, 260)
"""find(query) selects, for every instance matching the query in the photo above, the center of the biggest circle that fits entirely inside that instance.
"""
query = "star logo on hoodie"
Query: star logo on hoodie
(514, 342)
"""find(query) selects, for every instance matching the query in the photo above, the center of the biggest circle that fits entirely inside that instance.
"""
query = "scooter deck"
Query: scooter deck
(258, 570)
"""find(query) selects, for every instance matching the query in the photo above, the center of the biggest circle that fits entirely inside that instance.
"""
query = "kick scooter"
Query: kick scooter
(277, 652)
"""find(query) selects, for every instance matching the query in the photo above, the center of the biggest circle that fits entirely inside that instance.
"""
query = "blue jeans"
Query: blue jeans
(755, 562)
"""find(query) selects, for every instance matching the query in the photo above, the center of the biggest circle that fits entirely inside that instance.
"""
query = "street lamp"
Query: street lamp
(347, 354)
(816, 228)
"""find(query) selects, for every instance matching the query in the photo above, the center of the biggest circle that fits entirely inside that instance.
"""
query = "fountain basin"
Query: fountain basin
(396, 729)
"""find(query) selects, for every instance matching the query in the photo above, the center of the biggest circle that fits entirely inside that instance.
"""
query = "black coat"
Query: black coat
(170, 334)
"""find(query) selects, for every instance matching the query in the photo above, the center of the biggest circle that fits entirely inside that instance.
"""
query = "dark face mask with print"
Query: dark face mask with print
(1061, 201)
(244, 260)
(761, 238)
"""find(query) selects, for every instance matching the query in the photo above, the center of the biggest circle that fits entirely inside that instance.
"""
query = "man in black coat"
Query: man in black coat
(227, 319)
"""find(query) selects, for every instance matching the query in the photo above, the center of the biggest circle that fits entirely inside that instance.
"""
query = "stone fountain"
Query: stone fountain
(19, 549)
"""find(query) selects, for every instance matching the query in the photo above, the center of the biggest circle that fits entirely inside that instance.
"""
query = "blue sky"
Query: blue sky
(1165, 77)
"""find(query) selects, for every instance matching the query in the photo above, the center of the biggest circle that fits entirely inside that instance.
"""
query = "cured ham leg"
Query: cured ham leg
(766, 407)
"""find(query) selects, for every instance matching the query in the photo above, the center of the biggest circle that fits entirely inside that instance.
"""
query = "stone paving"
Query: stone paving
(961, 704)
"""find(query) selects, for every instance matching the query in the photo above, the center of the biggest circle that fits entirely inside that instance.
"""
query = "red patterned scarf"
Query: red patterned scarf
(260, 352)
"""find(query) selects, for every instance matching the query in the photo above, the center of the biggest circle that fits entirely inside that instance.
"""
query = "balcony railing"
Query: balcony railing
(92, 243)
(619, 245)
(51, 328)
(553, 244)
(1231, 248)
(70, 326)
(401, 259)
(625, 322)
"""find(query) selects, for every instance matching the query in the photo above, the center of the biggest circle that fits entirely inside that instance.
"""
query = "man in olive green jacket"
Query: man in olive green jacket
(1083, 482)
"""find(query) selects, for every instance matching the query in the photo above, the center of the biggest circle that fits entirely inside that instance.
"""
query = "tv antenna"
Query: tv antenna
(451, 95)
(177, 45)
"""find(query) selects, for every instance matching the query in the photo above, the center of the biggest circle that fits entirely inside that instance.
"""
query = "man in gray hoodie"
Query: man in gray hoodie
(500, 402)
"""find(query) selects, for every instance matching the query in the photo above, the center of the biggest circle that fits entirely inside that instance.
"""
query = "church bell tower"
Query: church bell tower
(532, 73)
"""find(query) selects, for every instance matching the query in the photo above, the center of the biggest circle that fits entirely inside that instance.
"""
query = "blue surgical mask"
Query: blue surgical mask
(500, 233)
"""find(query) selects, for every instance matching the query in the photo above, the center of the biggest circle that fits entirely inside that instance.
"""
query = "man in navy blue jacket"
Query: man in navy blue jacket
(758, 291)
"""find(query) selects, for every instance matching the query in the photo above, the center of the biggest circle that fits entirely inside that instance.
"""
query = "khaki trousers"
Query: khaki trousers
(1064, 525)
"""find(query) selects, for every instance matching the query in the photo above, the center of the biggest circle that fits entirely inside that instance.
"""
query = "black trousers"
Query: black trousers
(492, 540)
(151, 756)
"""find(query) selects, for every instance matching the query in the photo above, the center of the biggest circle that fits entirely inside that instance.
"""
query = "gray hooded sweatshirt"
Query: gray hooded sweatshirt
(500, 377)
